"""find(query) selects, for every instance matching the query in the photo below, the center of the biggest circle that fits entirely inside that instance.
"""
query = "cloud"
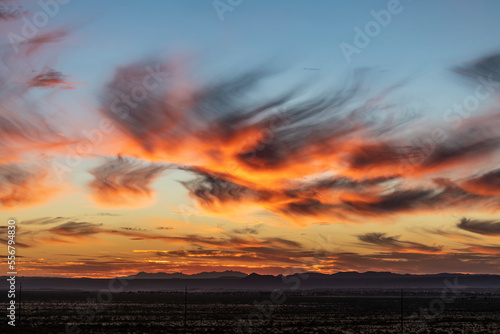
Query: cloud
(264, 262)
(344, 154)
(23, 131)
(164, 228)
(249, 255)
(487, 184)
(449, 233)
(392, 243)
(103, 214)
(69, 230)
(214, 192)
(124, 183)
(484, 227)
(248, 230)
(270, 247)
(284, 242)
(484, 249)
(11, 10)
(486, 67)
(133, 229)
(23, 185)
(232, 241)
(44, 220)
(336, 197)
(51, 79)
(260, 254)
(36, 44)
(25, 125)
(215, 121)
(18, 243)
(336, 155)
(55, 220)
(413, 263)
(77, 229)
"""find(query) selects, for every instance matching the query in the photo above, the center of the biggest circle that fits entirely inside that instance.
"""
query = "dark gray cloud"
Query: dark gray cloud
(306, 199)
(484, 227)
(133, 229)
(248, 230)
(395, 244)
(486, 67)
(210, 189)
(76, 229)
(50, 78)
(4, 241)
(447, 232)
(124, 182)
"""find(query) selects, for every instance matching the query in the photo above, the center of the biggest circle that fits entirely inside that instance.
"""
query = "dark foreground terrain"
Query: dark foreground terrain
(340, 311)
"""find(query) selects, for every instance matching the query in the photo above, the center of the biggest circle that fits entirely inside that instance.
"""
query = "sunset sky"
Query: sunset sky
(190, 136)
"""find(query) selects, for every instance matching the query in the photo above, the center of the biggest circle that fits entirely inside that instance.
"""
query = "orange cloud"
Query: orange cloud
(22, 185)
(327, 157)
(484, 249)
(487, 184)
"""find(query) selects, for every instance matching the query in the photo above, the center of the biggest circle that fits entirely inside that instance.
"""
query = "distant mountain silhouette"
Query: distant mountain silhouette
(237, 281)
(211, 274)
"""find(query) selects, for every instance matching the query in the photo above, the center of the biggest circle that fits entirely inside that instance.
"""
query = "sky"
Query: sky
(191, 136)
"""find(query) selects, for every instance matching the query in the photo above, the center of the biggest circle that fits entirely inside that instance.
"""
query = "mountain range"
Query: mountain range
(202, 275)
(238, 281)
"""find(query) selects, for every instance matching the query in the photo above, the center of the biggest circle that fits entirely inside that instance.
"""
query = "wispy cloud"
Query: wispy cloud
(22, 185)
(484, 227)
(323, 157)
(11, 10)
(126, 183)
(393, 243)
(484, 249)
(44, 220)
(248, 230)
(52, 79)
(487, 184)
(76, 229)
